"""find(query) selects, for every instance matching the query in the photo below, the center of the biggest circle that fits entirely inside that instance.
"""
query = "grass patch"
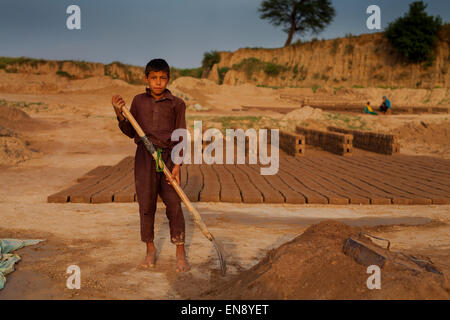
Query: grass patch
(252, 65)
(65, 74)
(346, 121)
(222, 72)
(336, 89)
(315, 87)
(273, 70)
(193, 72)
(83, 65)
(334, 47)
(349, 49)
(7, 61)
(265, 86)
(227, 122)
(29, 106)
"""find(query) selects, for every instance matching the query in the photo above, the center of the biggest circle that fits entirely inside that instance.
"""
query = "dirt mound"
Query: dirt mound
(425, 138)
(305, 113)
(14, 150)
(313, 266)
(12, 114)
(13, 118)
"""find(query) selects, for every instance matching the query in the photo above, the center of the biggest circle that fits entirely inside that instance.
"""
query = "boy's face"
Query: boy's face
(157, 81)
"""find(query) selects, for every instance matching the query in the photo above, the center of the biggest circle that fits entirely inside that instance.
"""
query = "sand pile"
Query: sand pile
(13, 148)
(305, 113)
(313, 266)
(10, 113)
(425, 138)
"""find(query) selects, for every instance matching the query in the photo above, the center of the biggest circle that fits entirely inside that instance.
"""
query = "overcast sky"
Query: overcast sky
(135, 31)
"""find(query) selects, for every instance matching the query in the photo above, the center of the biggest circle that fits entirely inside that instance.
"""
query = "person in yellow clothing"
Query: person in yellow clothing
(368, 109)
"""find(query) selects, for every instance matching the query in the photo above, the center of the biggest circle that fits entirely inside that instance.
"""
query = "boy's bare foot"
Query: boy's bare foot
(182, 263)
(150, 258)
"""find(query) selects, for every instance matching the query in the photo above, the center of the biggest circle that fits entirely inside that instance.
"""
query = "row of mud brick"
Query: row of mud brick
(360, 179)
(291, 143)
(334, 142)
(371, 141)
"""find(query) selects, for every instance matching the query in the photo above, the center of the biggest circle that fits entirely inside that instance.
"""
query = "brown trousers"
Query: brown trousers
(149, 184)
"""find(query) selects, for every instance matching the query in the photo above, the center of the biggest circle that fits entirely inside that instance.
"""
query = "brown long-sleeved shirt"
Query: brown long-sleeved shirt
(157, 118)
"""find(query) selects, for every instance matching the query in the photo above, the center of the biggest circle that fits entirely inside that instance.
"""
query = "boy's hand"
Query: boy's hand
(175, 174)
(118, 103)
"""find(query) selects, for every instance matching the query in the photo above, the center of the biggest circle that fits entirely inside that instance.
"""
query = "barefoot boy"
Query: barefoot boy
(159, 113)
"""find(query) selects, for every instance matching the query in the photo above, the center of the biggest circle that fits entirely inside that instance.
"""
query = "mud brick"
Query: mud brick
(300, 150)
(420, 110)
(375, 142)
(348, 149)
(348, 138)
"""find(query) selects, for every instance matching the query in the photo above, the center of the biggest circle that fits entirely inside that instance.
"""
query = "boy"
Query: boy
(159, 113)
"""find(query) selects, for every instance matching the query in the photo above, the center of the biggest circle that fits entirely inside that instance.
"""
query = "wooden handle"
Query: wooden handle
(133, 122)
(195, 214)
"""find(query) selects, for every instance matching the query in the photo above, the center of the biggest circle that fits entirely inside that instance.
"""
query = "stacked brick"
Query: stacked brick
(338, 143)
(292, 143)
(371, 141)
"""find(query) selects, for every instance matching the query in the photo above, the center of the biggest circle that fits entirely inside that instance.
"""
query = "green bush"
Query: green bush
(249, 66)
(193, 72)
(7, 61)
(430, 62)
(349, 49)
(64, 74)
(222, 72)
(414, 35)
(83, 65)
(303, 73)
(210, 59)
(315, 87)
(335, 46)
(272, 69)
(252, 65)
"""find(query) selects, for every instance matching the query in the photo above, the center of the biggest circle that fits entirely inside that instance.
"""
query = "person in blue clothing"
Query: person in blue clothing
(386, 105)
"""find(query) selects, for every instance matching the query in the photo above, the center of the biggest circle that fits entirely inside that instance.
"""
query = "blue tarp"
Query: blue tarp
(8, 259)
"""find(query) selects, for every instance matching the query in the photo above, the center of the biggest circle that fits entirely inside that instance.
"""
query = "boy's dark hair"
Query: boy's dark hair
(157, 65)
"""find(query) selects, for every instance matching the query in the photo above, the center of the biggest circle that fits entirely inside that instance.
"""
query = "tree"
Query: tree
(414, 35)
(298, 16)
